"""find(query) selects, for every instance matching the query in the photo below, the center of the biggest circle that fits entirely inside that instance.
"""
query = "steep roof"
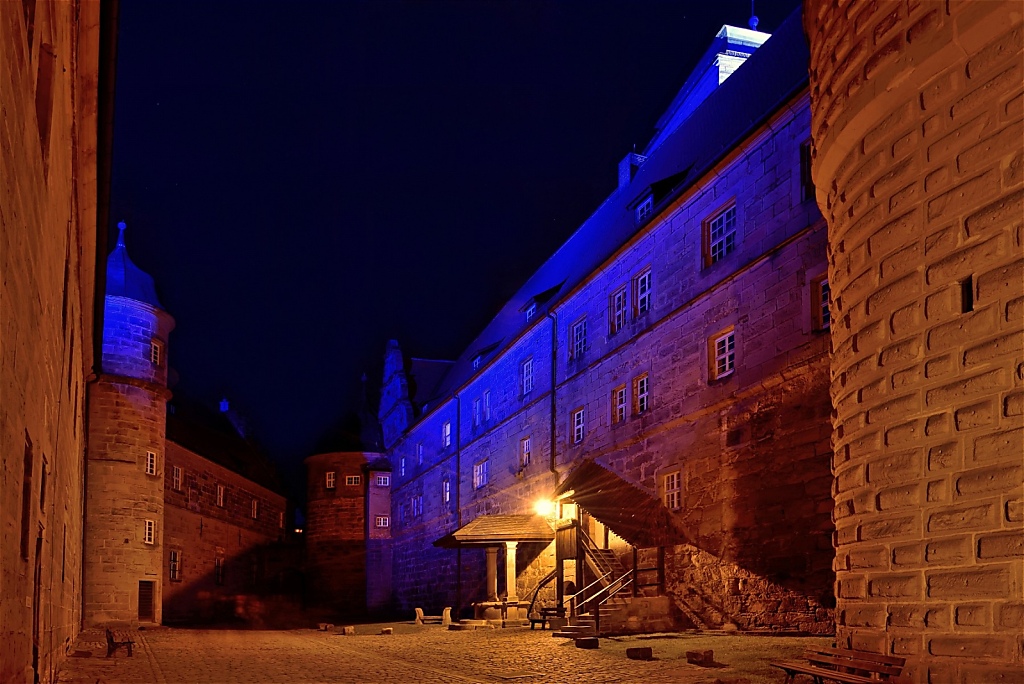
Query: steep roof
(767, 80)
(125, 279)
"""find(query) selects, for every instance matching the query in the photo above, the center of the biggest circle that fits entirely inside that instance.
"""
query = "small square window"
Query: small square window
(672, 490)
(149, 532)
(723, 351)
(640, 391)
(642, 288)
(480, 474)
(619, 404)
(353, 480)
(382, 521)
(720, 235)
(331, 479)
(531, 311)
(578, 339)
(255, 509)
(151, 463)
(176, 478)
(446, 434)
(645, 209)
(220, 495)
(382, 481)
(578, 426)
(174, 566)
(525, 451)
(446, 490)
(477, 360)
(618, 310)
(156, 352)
(526, 373)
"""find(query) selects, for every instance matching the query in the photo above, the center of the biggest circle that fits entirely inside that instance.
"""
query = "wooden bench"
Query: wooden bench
(844, 665)
(113, 644)
(545, 615)
(444, 619)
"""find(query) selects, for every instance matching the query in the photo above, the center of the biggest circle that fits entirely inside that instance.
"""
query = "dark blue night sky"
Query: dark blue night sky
(306, 180)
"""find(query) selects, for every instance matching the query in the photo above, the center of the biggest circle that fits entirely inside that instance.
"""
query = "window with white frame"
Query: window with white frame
(640, 391)
(721, 235)
(645, 209)
(525, 451)
(416, 504)
(149, 532)
(578, 338)
(255, 511)
(174, 566)
(353, 480)
(151, 463)
(419, 453)
(618, 310)
(156, 352)
(578, 426)
(476, 412)
(382, 521)
(672, 490)
(331, 479)
(446, 490)
(822, 294)
(477, 361)
(446, 434)
(383, 481)
(401, 465)
(531, 311)
(526, 372)
(619, 404)
(220, 495)
(176, 478)
(480, 474)
(642, 288)
(723, 349)
(487, 404)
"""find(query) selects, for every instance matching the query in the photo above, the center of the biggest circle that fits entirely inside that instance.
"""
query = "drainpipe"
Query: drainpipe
(458, 503)
(554, 404)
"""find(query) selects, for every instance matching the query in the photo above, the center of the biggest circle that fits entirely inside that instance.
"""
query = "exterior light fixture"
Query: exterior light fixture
(544, 507)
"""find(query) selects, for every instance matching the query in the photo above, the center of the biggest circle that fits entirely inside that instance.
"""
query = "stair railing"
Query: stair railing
(580, 597)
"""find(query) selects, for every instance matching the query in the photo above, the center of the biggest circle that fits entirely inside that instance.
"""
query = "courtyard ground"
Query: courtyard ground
(419, 654)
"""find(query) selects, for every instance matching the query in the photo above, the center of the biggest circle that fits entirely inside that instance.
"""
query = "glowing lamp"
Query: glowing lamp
(545, 508)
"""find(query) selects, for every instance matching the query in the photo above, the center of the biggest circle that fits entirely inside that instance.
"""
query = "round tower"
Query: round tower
(916, 122)
(125, 455)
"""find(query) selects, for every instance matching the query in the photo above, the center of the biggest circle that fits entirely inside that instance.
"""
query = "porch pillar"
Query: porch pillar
(510, 571)
(492, 572)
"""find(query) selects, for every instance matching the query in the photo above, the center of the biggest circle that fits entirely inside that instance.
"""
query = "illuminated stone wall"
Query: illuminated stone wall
(49, 57)
(919, 165)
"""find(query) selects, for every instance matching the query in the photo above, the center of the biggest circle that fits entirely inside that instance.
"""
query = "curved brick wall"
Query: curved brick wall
(918, 163)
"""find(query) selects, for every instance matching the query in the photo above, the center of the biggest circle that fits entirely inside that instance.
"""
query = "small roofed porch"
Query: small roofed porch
(495, 534)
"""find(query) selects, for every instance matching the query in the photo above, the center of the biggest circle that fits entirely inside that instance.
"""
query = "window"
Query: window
(416, 504)
(218, 570)
(476, 412)
(446, 434)
(476, 362)
(577, 426)
(619, 404)
(618, 313)
(642, 288)
(331, 479)
(480, 474)
(150, 463)
(645, 209)
(672, 490)
(724, 355)
(419, 453)
(806, 182)
(220, 495)
(280, 520)
(149, 532)
(255, 509)
(721, 235)
(353, 480)
(401, 465)
(175, 566)
(487, 404)
(155, 352)
(578, 338)
(525, 450)
(640, 386)
(526, 372)
(382, 521)
(383, 480)
(821, 295)
(446, 491)
(531, 311)
(176, 478)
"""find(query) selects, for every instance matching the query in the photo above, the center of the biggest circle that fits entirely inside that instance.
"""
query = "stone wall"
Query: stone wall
(49, 57)
(228, 561)
(919, 165)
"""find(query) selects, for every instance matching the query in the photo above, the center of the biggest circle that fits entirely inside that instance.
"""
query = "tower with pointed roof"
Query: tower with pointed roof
(125, 454)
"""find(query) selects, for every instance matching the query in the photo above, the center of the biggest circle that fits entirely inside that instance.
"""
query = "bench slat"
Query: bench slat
(825, 673)
(853, 664)
(895, 661)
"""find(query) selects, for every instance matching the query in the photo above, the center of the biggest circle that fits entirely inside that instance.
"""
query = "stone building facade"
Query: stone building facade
(678, 341)
(53, 152)
(919, 163)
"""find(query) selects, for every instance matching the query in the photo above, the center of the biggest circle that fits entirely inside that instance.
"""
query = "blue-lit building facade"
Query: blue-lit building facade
(660, 386)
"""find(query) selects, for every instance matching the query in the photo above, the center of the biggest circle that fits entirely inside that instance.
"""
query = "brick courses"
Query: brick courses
(918, 147)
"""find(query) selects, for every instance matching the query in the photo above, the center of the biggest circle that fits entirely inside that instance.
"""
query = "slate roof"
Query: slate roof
(488, 530)
(125, 279)
(769, 79)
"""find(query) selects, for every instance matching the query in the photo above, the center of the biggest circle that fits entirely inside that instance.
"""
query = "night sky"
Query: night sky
(306, 180)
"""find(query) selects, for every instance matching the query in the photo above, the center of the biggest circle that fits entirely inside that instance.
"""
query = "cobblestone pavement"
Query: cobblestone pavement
(413, 654)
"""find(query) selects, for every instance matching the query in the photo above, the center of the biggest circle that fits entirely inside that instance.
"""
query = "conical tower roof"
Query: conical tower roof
(125, 279)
